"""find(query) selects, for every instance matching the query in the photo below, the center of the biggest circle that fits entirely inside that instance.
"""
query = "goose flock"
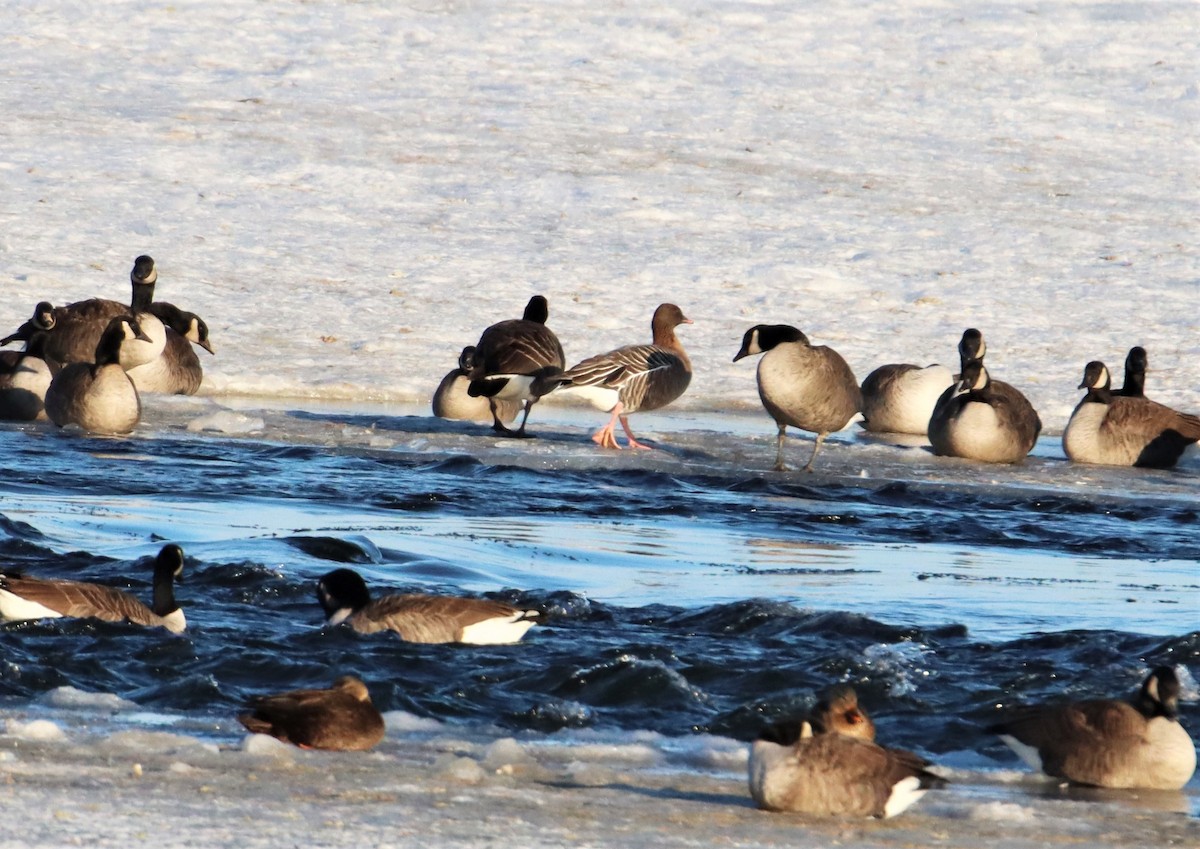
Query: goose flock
(87, 363)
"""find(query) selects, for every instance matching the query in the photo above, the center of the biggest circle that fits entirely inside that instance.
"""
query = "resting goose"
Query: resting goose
(900, 397)
(1118, 430)
(1108, 743)
(24, 378)
(981, 421)
(451, 400)
(24, 598)
(420, 618)
(803, 385)
(635, 377)
(341, 718)
(177, 370)
(79, 325)
(833, 774)
(517, 360)
(99, 396)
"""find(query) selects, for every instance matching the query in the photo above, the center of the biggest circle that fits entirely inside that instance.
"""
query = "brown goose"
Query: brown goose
(79, 325)
(832, 774)
(451, 400)
(26, 375)
(99, 396)
(341, 718)
(635, 377)
(1108, 743)
(900, 397)
(177, 370)
(803, 385)
(24, 598)
(517, 360)
(981, 421)
(420, 618)
(1119, 430)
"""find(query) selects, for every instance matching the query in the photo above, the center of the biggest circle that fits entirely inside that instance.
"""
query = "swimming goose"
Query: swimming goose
(177, 370)
(24, 378)
(99, 396)
(635, 377)
(452, 401)
(1115, 430)
(900, 397)
(803, 385)
(24, 598)
(516, 360)
(833, 774)
(79, 325)
(981, 421)
(1108, 743)
(341, 718)
(420, 618)
(1136, 364)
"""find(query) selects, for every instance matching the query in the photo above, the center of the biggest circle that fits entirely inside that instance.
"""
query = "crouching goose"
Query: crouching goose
(26, 375)
(452, 400)
(516, 360)
(980, 420)
(807, 386)
(420, 618)
(900, 397)
(1108, 743)
(24, 598)
(176, 370)
(1122, 430)
(99, 396)
(634, 377)
(340, 718)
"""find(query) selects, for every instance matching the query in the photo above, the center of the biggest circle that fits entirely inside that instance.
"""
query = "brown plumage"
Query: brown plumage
(635, 377)
(99, 396)
(420, 618)
(451, 400)
(980, 419)
(24, 598)
(1108, 743)
(340, 718)
(520, 359)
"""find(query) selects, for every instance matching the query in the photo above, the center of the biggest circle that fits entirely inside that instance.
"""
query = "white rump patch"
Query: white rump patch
(17, 609)
(498, 631)
(1025, 752)
(905, 794)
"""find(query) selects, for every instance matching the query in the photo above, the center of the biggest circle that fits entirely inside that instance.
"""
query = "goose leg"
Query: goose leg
(633, 443)
(780, 466)
(605, 437)
(504, 430)
(816, 448)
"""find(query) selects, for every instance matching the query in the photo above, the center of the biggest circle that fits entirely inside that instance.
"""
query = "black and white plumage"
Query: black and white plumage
(634, 377)
(452, 400)
(807, 386)
(1122, 430)
(1106, 742)
(980, 420)
(832, 774)
(340, 718)
(26, 375)
(421, 618)
(177, 369)
(23, 598)
(516, 360)
(99, 396)
(900, 397)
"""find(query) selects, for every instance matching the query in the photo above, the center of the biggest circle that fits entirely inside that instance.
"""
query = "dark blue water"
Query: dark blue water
(681, 593)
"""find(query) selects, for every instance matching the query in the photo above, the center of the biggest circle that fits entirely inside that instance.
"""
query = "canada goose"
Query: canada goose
(1136, 364)
(176, 370)
(519, 359)
(900, 397)
(24, 378)
(420, 618)
(1113, 430)
(79, 325)
(340, 718)
(1108, 743)
(802, 385)
(452, 401)
(24, 598)
(982, 422)
(99, 396)
(634, 377)
(44, 320)
(833, 774)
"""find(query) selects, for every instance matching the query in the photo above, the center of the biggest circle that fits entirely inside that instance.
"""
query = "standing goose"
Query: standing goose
(803, 385)
(1108, 743)
(452, 400)
(80, 325)
(420, 618)
(341, 718)
(99, 396)
(516, 360)
(981, 421)
(177, 370)
(635, 377)
(1118, 430)
(24, 598)
(833, 774)
(900, 397)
